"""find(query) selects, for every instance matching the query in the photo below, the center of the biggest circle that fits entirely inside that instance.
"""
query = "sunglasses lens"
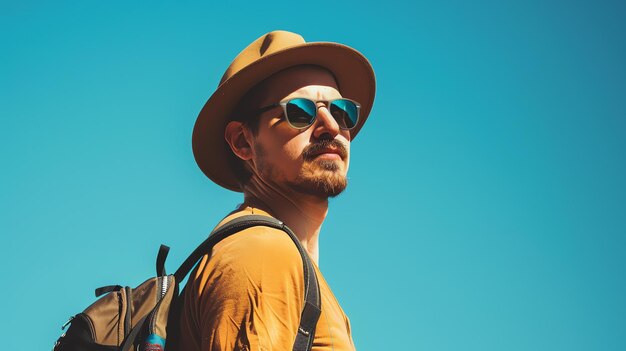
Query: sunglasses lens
(301, 112)
(345, 113)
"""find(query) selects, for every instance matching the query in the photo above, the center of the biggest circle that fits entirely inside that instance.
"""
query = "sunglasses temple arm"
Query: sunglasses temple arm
(266, 108)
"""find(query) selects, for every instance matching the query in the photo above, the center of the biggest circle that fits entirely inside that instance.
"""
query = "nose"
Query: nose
(325, 123)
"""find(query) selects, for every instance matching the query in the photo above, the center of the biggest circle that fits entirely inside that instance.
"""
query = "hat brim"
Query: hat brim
(352, 71)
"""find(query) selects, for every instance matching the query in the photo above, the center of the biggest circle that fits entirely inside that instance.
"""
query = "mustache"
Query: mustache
(312, 150)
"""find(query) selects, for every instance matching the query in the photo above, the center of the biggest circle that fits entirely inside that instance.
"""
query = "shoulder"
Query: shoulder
(257, 248)
(252, 285)
(253, 263)
(256, 241)
(257, 257)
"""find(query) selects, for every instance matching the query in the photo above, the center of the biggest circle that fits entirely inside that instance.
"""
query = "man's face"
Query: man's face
(312, 161)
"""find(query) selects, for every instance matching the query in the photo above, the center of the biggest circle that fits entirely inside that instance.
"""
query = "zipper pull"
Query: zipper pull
(66, 323)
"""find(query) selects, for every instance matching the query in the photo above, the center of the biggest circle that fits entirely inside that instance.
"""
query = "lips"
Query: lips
(329, 151)
(325, 147)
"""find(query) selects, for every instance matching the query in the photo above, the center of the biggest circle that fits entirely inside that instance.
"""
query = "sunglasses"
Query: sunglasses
(301, 112)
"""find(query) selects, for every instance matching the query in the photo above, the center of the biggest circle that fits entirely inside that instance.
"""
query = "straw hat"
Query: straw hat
(269, 54)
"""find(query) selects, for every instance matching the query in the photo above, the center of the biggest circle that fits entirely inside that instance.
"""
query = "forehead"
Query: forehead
(288, 81)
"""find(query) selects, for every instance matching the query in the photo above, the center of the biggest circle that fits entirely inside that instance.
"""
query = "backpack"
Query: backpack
(142, 318)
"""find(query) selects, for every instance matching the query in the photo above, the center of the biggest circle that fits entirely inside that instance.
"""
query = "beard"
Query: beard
(319, 177)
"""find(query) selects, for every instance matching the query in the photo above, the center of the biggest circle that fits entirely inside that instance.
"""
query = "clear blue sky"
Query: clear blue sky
(486, 207)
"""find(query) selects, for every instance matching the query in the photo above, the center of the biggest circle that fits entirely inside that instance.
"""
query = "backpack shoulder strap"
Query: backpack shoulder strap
(312, 301)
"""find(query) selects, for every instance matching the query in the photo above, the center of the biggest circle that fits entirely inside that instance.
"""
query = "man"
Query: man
(278, 129)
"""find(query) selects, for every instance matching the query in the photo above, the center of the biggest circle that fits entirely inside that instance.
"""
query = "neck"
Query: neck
(303, 213)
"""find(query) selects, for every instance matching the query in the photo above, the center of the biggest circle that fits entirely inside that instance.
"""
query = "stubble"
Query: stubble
(319, 177)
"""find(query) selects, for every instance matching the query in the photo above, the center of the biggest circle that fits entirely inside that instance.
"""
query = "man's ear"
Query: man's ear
(238, 140)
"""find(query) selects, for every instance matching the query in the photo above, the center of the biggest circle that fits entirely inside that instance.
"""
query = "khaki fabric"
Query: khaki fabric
(250, 294)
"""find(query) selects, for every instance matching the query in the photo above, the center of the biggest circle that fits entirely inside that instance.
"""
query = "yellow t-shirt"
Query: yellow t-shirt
(249, 296)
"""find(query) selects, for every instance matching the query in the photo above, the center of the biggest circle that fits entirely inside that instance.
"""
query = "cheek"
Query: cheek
(292, 150)
(282, 152)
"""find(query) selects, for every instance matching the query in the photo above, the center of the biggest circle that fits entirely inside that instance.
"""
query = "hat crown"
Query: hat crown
(266, 45)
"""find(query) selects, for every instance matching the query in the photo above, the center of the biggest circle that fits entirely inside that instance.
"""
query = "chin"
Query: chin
(332, 189)
(322, 178)
(322, 184)
(329, 165)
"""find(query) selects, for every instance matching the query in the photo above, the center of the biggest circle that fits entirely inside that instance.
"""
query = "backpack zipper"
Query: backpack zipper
(164, 283)
(129, 312)
(67, 323)
(74, 319)
(92, 330)
(164, 286)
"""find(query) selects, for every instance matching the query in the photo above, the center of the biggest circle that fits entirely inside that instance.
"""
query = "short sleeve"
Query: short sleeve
(250, 293)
